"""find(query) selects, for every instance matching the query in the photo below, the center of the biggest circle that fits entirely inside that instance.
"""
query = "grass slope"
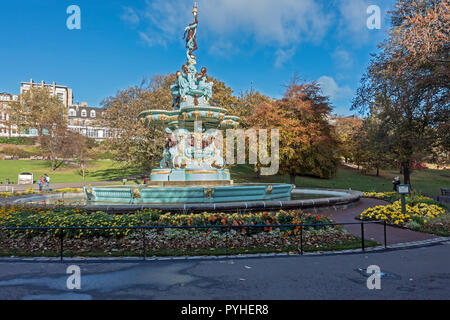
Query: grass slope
(425, 181)
(101, 170)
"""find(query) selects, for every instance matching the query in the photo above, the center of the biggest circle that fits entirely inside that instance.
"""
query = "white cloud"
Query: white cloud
(342, 58)
(227, 23)
(223, 49)
(145, 38)
(352, 24)
(281, 22)
(331, 88)
(283, 56)
(130, 16)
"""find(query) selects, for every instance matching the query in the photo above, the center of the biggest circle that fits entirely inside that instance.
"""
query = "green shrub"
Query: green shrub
(17, 140)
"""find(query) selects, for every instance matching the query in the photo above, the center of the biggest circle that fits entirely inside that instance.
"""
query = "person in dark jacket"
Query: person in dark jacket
(396, 182)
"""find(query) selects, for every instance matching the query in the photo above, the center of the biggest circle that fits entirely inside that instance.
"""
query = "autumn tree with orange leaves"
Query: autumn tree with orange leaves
(308, 143)
(406, 86)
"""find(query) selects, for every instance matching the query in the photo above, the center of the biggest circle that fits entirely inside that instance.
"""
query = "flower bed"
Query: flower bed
(175, 242)
(420, 213)
(22, 216)
(164, 241)
(387, 196)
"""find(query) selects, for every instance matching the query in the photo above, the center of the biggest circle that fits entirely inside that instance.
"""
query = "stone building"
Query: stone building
(64, 93)
(81, 118)
(6, 128)
(85, 120)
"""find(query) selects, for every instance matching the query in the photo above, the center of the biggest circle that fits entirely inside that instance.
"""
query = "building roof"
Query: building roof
(79, 108)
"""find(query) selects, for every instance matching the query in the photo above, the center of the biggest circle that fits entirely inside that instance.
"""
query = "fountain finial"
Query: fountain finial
(191, 88)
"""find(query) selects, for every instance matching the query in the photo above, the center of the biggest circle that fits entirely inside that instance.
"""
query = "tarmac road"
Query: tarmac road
(420, 273)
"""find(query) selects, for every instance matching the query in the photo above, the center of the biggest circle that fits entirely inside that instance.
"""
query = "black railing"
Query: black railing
(246, 227)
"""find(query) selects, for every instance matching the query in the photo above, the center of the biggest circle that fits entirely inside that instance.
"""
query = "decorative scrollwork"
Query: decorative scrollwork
(136, 193)
(89, 193)
(209, 192)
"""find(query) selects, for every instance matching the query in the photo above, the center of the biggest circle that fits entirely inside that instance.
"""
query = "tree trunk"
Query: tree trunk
(378, 171)
(258, 173)
(292, 178)
(406, 173)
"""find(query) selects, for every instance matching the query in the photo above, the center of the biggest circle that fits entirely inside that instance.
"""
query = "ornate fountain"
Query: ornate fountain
(192, 166)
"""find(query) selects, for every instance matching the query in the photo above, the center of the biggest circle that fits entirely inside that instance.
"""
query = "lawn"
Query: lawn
(428, 181)
(100, 170)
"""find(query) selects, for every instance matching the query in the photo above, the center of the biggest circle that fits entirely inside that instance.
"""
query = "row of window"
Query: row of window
(73, 113)
(8, 98)
(94, 133)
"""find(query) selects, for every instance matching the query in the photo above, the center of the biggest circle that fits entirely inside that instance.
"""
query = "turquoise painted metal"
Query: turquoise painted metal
(201, 194)
(192, 166)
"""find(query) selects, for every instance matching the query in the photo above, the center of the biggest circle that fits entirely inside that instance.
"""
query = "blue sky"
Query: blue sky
(245, 43)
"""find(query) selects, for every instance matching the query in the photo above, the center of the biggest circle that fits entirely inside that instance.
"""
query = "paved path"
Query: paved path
(23, 187)
(374, 231)
(420, 273)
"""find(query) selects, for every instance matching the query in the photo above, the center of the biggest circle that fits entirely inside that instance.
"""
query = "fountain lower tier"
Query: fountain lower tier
(191, 194)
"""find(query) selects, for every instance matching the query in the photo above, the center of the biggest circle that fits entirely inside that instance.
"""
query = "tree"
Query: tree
(77, 146)
(373, 146)
(422, 27)
(347, 130)
(223, 96)
(408, 95)
(246, 104)
(308, 143)
(38, 109)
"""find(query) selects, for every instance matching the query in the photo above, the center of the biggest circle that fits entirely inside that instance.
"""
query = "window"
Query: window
(83, 113)
(92, 113)
(72, 113)
(60, 96)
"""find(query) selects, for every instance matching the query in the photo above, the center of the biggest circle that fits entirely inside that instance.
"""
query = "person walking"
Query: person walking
(40, 183)
(46, 182)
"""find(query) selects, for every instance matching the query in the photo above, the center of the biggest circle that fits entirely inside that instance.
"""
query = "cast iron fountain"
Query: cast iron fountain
(192, 174)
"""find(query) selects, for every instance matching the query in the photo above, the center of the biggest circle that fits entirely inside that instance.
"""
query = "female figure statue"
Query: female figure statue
(205, 87)
(191, 30)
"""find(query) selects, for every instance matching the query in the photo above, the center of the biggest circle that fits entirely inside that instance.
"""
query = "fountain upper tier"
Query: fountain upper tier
(185, 118)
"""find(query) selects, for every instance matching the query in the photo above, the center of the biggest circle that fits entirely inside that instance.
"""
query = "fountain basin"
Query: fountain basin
(190, 194)
(315, 199)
